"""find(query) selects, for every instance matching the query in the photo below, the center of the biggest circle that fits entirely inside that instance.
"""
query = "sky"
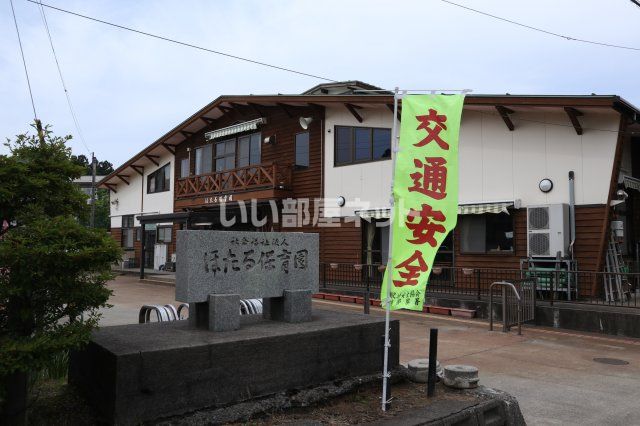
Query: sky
(128, 89)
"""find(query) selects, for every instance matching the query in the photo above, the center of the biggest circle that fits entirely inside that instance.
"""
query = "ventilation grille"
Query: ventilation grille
(539, 244)
(538, 218)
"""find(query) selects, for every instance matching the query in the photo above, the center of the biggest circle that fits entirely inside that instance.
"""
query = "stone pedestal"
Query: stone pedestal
(294, 306)
(137, 373)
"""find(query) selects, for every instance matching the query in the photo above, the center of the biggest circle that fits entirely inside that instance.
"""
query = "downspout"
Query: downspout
(142, 235)
(572, 212)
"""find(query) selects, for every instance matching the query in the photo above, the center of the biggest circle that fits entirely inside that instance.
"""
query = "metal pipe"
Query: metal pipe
(572, 212)
(433, 361)
(387, 300)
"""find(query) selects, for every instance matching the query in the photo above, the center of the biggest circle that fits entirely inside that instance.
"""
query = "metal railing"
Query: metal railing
(552, 286)
(518, 305)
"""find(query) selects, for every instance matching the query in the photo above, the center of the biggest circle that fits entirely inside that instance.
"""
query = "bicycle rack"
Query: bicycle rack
(170, 313)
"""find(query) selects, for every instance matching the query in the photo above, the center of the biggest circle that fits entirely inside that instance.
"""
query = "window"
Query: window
(164, 234)
(225, 155)
(204, 159)
(128, 231)
(486, 233)
(184, 168)
(361, 144)
(302, 149)
(248, 150)
(160, 180)
(228, 154)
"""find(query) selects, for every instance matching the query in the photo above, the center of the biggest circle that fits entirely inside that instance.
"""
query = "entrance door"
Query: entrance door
(149, 249)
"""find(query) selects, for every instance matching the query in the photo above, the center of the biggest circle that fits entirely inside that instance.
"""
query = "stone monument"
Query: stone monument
(138, 373)
(218, 268)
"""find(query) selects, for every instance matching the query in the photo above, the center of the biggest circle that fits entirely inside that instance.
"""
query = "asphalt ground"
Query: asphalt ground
(551, 372)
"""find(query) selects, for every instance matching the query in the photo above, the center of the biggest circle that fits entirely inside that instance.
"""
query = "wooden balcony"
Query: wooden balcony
(273, 178)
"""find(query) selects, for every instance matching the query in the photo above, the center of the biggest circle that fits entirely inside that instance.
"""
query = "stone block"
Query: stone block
(142, 372)
(224, 312)
(252, 264)
(294, 306)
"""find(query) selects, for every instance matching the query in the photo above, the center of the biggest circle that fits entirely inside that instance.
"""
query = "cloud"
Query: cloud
(128, 89)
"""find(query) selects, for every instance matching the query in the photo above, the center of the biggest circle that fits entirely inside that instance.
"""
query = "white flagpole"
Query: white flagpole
(387, 303)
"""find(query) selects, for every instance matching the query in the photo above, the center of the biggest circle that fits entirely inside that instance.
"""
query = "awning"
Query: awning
(373, 214)
(236, 128)
(631, 183)
(483, 208)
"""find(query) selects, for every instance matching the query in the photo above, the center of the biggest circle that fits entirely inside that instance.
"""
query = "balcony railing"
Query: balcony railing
(249, 178)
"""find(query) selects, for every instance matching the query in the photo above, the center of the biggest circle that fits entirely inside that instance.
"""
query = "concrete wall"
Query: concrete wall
(495, 164)
(133, 198)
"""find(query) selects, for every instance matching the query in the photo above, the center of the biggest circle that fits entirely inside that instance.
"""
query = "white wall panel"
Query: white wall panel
(495, 164)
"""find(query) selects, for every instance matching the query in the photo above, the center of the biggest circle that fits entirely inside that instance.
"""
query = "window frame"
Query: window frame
(236, 154)
(125, 230)
(295, 150)
(488, 252)
(182, 162)
(152, 176)
(353, 161)
(164, 229)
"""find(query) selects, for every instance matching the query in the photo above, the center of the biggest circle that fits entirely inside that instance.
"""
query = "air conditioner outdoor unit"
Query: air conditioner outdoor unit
(548, 230)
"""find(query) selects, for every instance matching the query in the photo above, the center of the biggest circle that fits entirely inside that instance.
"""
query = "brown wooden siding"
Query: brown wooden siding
(307, 182)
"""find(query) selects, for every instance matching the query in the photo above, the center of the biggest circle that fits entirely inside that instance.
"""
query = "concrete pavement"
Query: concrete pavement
(552, 373)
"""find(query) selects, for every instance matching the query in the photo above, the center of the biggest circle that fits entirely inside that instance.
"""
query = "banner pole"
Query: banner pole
(389, 273)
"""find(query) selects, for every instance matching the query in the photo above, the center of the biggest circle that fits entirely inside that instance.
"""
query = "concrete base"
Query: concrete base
(136, 373)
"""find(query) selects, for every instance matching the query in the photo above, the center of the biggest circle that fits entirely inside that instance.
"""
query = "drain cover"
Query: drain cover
(611, 361)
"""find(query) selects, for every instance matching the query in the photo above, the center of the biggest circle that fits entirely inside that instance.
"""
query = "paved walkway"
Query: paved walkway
(552, 373)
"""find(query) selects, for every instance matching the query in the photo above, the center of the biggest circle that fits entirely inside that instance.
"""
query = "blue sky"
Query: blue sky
(128, 89)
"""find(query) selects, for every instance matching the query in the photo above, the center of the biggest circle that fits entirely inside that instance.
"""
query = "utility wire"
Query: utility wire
(551, 33)
(636, 2)
(64, 86)
(182, 43)
(24, 62)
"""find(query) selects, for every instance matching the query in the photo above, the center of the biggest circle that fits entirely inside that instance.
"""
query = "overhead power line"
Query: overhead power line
(182, 43)
(24, 62)
(540, 30)
(64, 86)
(636, 2)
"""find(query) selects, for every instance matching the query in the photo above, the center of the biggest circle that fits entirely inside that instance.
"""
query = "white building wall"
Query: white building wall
(494, 163)
(133, 198)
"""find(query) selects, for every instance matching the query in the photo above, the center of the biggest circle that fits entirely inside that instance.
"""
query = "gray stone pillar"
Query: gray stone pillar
(224, 312)
(294, 306)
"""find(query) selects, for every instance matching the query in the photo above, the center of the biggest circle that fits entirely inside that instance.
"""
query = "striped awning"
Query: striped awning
(483, 208)
(374, 213)
(236, 128)
(631, 183)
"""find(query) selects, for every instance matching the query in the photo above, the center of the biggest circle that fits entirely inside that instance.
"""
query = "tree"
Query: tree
(103, 168)
(53, 270)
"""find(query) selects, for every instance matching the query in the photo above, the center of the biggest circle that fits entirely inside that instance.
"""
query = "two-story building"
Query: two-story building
(248, 156)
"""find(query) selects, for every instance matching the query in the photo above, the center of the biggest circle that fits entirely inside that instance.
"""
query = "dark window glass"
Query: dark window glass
(486, 233)
(302, 149)
(225, 155)
(381, 144)
(128, 231)
(244, 149)
(361, 144)
(184, 168)
(254, 152)
(127, 221)
(164, 234)
(160, 180)
(204, 159)
(343, 145)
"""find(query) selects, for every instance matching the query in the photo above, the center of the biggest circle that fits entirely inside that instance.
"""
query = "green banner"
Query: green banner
(425, 192)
